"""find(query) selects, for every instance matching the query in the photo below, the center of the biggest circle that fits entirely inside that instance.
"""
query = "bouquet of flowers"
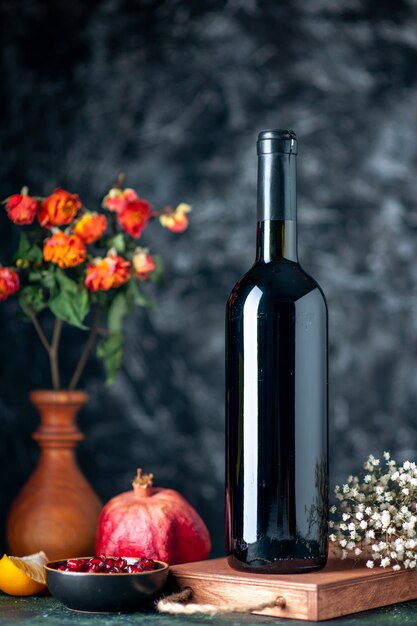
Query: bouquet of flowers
(85, 267)
(376, 515)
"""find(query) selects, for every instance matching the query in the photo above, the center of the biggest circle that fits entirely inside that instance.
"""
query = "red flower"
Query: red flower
(117, 199)
(90, 227)
(21, 208)
(64, 250)
(143, 263)
(177, 220)
(135, 217)
(104, 274)
(9, 282)
(59, 208)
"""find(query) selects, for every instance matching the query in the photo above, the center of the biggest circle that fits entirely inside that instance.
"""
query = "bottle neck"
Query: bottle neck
(277, 208)
(276, 240)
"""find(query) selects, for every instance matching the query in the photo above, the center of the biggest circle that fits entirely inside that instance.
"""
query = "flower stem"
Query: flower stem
(51, 348)
(86, 352)
(39, 331)
(53, 354)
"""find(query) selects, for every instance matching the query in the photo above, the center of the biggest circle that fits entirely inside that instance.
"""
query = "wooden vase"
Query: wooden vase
(57, 510)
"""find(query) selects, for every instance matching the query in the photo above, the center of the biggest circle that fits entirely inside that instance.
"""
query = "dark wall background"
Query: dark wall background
(173, 94)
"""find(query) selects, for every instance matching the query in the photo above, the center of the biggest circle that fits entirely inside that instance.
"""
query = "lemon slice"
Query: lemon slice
(23, 576)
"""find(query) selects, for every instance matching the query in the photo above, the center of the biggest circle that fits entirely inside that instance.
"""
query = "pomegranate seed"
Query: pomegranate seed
(107, 565)
(75, 565)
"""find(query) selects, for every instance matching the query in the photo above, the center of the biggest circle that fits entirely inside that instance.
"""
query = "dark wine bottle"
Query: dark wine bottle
(276, 389)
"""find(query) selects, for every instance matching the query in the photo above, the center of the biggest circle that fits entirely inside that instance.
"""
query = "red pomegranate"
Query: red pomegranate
(151, 522)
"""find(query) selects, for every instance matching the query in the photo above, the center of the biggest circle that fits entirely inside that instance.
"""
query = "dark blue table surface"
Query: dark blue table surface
(47, 611)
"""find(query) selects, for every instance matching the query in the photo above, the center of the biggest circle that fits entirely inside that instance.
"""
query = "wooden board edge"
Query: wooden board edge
(376, 593)
(299, 602)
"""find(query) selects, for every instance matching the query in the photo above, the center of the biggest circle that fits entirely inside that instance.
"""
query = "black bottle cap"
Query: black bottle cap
(277, 141)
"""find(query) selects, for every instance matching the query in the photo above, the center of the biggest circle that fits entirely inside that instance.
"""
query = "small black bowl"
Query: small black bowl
(105, 593)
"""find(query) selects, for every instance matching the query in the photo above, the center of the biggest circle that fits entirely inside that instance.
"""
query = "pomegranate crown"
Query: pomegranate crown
(142, 481)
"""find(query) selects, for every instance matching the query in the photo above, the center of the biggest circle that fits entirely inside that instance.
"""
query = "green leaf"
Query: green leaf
(118, 309)
(27, 251)
(110, 351)
(117, 242)
(31, 299)
(49, 277)
(45, 276)
(158, 275)
(69, 301)
(136, 295)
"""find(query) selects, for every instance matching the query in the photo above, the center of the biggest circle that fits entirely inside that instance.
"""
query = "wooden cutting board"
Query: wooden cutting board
(341, 588)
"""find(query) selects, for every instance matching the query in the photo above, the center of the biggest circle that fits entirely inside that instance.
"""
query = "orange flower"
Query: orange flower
(64, 250)
(104, 274)
(90, 227)
(177, 220)
(143, 263)
(9, 282)
(21, 208)
(135, 217)
(59, 208)
(117, 199)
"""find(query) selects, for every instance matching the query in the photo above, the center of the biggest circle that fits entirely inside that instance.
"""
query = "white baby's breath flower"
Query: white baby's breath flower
(377, 517)
(385, 518)
(333, 509)
(370, 564)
